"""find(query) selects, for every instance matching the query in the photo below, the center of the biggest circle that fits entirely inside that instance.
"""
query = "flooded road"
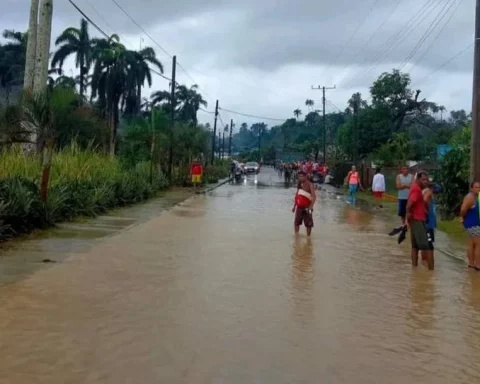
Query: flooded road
(219, 290)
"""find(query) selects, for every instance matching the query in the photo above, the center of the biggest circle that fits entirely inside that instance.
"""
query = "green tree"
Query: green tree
(75, 41)
(297, 113)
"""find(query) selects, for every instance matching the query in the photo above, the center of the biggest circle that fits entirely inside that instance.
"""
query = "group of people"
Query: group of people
(416, 209)
(290, 170)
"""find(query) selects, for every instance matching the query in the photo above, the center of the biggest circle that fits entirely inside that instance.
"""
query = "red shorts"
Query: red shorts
(378, 195)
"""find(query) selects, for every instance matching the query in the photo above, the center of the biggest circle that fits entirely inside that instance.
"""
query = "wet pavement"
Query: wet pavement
(219, 290)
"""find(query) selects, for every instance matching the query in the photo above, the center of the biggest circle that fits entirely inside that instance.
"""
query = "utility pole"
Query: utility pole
(214, 136)
(230, 139)
(172, 118)
(324, 120)
(475, 141)
(223, 143)
(219, 144)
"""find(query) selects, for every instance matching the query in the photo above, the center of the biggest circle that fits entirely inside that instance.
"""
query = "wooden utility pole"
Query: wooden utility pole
(172, 117)
(214, 136)
(475, 141)
(324, 121)
(230, 139)
(223, 143)
(31, 47)
(44, 35)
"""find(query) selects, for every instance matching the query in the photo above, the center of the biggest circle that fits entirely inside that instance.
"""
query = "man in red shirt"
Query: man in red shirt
(196, 172)
(416, 218)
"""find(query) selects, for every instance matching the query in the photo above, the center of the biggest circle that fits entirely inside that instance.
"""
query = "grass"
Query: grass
(84, 183)
(453, 228)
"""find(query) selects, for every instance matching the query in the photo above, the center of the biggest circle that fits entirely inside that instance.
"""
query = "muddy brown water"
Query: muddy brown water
(218, 290)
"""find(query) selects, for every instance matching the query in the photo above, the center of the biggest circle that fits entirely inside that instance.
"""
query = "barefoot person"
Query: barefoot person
(417, 220)
(469, 212)
(378, 187)
(303, 206)
(403, 183)
(353, 182)
(196, 172)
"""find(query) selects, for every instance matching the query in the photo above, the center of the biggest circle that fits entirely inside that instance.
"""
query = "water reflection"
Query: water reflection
(303, 275)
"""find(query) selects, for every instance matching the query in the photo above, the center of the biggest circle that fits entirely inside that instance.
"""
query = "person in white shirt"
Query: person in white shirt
(378, 187)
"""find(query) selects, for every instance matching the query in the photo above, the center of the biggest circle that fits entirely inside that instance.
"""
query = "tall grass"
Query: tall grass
(83, 182)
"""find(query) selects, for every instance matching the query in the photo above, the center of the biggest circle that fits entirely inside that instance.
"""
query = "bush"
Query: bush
(453, 177)
(219, 170)
(83, 183)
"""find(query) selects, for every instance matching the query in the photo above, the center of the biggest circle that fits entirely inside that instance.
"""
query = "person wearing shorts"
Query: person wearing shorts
(378, 186)
(469, 212)
(304, 201)
(417, 220)
(197, 173)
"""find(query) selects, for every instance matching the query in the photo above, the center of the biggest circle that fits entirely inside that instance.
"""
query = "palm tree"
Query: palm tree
(140, 72)
(12, 60)
(190, 102)
(309, 103)
(109, 80)
(297, 113)
(75, 41)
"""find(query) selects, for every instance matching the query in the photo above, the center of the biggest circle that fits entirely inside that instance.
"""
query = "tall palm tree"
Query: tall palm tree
(297, 113)
(12, 59)
(309, 103)
(190, 102)
(110, 80)
(75, 41)
(140, 72)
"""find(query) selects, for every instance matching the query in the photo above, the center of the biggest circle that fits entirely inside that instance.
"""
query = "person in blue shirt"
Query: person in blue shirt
(429, 198)
(469, 212)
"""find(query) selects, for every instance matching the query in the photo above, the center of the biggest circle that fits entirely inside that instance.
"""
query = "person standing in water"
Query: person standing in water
(469, 212)
(353, 182)
(429, 197)
(417, 218)
(403, 183)
(303, 205)
(378, 187)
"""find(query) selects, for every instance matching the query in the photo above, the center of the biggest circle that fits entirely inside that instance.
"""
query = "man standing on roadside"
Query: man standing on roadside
(304, 201)
(417, 220)
(196, 171)
(378, 187)
(403, 183)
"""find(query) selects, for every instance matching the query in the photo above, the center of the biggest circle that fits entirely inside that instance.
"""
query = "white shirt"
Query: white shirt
(378, 183)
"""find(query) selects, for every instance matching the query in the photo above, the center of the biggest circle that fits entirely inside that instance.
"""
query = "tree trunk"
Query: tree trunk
(44, 35)
(46, 166)
(82, 78)
(31, 47)
(111, 123)
(139, 100)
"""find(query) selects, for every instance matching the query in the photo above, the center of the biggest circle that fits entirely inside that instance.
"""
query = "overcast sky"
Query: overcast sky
(262, 57)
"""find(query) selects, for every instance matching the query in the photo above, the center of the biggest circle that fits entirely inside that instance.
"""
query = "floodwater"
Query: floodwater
(219, 290)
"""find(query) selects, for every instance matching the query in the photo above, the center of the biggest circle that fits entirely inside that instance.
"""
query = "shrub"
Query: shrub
(83, 183)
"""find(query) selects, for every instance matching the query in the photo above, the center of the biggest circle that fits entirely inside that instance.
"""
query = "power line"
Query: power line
(446, 62)
(252, 116)
(159, 46)
(396, 39)
(360, 25)
(141, 28)
(431, 28)
(89, 20)
(390, 14)
(437, 36)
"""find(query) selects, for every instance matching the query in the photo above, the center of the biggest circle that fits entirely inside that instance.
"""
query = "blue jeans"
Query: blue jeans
(352, 191)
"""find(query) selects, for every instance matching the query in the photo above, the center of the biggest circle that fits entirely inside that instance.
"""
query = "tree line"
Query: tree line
(396, 124)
